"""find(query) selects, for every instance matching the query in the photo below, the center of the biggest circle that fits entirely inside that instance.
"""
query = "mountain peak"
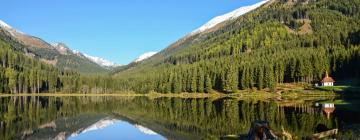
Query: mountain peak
(101, 124)
(228, 16)
(64, 50)
(10, 29)
(61, 48)
(5, 25)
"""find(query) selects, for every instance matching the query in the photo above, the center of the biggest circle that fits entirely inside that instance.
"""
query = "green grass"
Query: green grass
(333, 88)
(340, 88)
(241, 95)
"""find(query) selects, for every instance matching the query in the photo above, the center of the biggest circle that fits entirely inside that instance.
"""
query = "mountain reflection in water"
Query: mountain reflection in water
(78, 118)
(113, 129)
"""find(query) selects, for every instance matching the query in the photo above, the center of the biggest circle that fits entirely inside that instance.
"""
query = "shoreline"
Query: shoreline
(284, 91)
(240, 94)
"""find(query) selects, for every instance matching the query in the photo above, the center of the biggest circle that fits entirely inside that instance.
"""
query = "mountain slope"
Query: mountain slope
(229, 16)
(57, 54)
(194, 36)
(281, 41)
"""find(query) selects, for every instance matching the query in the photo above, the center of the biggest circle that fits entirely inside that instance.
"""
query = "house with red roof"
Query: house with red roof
(327, 80)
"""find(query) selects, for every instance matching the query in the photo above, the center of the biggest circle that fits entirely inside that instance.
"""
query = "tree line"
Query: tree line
(259, 50)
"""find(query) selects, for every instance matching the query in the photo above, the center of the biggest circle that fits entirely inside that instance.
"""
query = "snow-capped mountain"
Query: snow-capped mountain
(57, 52)
(10, 29)
(145, 130)
(61, 48)
(24, 38)
(144, 56)
(106, 122)
(229, 16)
(101, 61)
(5, 25)
(101, 124)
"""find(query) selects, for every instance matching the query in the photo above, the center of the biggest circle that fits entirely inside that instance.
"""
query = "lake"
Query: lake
(139, 118)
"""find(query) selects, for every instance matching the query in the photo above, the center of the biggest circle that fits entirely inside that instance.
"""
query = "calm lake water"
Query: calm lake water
(140, 118)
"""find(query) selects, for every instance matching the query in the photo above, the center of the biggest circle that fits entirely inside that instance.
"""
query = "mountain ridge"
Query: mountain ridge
(228, 16)
(57, 54)
(204, 29)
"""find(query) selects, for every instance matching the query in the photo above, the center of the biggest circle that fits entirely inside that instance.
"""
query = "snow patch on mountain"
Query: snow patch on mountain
(101, 124)
(10, 29)
(145, 130)
(145, 56)
(5, 25)
(101, 61)
(76, 52)
(229, 16)
(61, 48)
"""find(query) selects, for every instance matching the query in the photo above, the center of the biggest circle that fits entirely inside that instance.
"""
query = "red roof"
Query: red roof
(327, 79)
(329, 110)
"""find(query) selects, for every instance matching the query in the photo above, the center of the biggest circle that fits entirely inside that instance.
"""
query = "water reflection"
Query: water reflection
(162, 118)
(328, 108)
(113, 129)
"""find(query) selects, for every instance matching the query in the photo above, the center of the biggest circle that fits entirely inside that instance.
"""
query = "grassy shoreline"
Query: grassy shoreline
(285, 90)
(240, 94)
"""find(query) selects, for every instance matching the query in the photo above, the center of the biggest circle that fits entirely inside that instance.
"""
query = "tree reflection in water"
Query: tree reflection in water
(173, 118)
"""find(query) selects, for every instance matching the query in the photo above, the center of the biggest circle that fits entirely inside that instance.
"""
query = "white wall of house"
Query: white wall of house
(328, 105)
(328, 84)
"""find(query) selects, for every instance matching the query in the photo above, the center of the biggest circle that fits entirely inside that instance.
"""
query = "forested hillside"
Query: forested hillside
(281, 42)
(20, 73)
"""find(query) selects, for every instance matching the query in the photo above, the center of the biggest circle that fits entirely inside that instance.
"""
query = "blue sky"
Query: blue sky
(117, 30)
